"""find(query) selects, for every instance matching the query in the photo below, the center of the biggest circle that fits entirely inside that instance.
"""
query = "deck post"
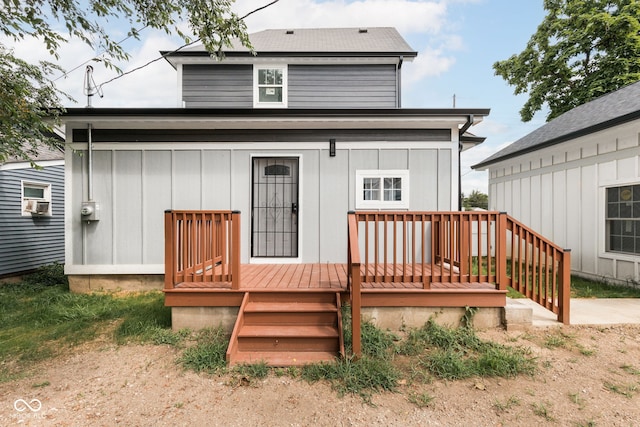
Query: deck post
(501, 251)
(564, 288)
(353, 251)
(169, 246)
(235, 250)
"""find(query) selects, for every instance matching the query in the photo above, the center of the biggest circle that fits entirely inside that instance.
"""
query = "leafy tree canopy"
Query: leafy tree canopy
(28, 96)
(582, 49)
(476, 199)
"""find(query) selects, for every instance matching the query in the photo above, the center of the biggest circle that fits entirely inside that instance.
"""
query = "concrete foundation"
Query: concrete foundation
(115, 282)
(195, 318)
(399, 318)
(517, 316)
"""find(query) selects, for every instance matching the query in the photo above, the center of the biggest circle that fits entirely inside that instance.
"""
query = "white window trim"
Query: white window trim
(382, 204)
(285, 84)
(29, 205)
(603, 232)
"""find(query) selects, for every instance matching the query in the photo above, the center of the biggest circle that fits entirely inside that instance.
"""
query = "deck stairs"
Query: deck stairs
(287, 328)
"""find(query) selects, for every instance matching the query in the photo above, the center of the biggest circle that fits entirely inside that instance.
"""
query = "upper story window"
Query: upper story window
(382, 189)
(270, 86)
(36, 199)
(623, 219)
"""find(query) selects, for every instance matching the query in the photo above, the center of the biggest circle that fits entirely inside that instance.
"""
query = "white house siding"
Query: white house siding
(136, 182)
(560, 191)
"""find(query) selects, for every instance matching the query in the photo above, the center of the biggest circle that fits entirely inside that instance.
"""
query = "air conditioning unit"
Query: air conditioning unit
(37, 208)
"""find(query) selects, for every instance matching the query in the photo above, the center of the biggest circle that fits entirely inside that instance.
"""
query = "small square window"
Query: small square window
(270, 86)
(382, 189)
(36, 199)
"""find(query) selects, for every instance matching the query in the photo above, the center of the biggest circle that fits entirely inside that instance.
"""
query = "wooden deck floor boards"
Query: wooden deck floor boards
(313, 276)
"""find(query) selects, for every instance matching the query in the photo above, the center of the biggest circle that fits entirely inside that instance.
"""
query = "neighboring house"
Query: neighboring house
(577, 180)
(31, 212)
(293, 137)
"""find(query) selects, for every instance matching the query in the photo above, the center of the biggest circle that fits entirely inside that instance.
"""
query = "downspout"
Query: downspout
(399, 80)
(90, 163)
(463, 129)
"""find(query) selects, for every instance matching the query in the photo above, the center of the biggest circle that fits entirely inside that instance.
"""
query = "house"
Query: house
(576, 179)
(238, 199)
(31, 212)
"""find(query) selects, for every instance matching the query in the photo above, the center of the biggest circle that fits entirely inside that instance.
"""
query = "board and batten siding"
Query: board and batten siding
(309, 86)
(559, 191)
(26, 242)
(135, 183)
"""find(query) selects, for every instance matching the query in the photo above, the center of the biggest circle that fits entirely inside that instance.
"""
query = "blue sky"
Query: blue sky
(457, 43)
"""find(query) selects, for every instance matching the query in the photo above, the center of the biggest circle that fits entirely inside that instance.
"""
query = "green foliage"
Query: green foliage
(582, 49)
(47, 275)
(29, 102)
(252, 370)
(209, 353)
(421, 400)
(40, 318)
(585, 288)
(476, 199)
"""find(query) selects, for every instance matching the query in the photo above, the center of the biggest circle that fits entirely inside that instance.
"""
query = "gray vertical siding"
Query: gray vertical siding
(30, 242)
(135, 187)
(309, 86)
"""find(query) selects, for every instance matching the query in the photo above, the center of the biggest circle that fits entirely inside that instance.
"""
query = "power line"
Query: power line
(180, 48)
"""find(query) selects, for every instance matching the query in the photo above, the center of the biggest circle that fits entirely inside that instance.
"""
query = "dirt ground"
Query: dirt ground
(587, 376)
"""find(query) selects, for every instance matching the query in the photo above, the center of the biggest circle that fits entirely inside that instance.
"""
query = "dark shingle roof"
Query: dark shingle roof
(376, 40)
(601, 113)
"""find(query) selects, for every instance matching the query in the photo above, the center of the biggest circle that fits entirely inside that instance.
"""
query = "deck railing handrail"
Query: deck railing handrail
(456, 247)
(354, 280)
(202, 246)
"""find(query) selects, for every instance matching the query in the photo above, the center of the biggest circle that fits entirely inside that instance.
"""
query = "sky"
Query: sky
(457, 42)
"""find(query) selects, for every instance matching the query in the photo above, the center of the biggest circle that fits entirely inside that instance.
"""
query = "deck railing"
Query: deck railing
(454, 247)
(202, 246)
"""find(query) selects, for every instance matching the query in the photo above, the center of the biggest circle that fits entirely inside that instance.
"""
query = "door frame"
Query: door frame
(277, 260)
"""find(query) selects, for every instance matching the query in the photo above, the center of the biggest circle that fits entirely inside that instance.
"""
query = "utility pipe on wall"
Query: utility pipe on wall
(90, 164)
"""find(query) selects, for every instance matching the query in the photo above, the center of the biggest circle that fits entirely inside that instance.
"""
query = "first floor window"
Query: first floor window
(270, 86)
(623, 219)
(381, 189)
(36, 199)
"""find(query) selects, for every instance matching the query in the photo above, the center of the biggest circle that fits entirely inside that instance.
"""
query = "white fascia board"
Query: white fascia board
(284, 121)
(27, 165)
(291, 60)
(114, 269)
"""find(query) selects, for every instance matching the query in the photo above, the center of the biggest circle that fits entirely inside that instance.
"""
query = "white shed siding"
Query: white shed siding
(560, 191)
(135, 183)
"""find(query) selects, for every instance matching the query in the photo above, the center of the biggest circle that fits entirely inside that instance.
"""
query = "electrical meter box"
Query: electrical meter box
(90, 211)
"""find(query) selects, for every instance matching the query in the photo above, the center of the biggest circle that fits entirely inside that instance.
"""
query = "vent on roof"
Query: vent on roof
(289, 31)
(363, 30)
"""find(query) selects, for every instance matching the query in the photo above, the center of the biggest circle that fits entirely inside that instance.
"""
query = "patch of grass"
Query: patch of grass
(541, 410)
(421, 400)
(42, 384)
(577, 399)
(627, 390)
(254, 370)
(588, 423)
(585, 288)
(510, 403)
(630, 369)
(209, 353)
(458, 353)
(39, 318)
(350, 376)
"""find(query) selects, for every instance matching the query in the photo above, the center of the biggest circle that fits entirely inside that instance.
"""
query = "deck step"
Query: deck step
(291, 358)
(287, 329)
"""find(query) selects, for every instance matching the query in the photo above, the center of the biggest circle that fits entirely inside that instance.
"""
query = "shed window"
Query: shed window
(623, 219)
(36, 199)
(382, 189)
(270, 86)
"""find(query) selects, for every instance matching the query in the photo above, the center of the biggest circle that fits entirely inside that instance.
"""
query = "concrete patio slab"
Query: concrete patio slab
(590, 311)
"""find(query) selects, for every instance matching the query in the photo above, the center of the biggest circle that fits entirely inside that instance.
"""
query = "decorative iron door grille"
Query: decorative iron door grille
(274, 212)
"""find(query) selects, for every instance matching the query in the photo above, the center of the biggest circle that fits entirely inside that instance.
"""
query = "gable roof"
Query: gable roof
(42, 152)
(375, 41)
(609, 110)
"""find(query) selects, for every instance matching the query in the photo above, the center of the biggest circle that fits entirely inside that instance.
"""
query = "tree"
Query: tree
(476, 199)
(582, 49)
(29, 101)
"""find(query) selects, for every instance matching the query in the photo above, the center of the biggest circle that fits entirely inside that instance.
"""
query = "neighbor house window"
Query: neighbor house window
(270, 86)
(623, 219)
(36, 199)
(382, 189)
